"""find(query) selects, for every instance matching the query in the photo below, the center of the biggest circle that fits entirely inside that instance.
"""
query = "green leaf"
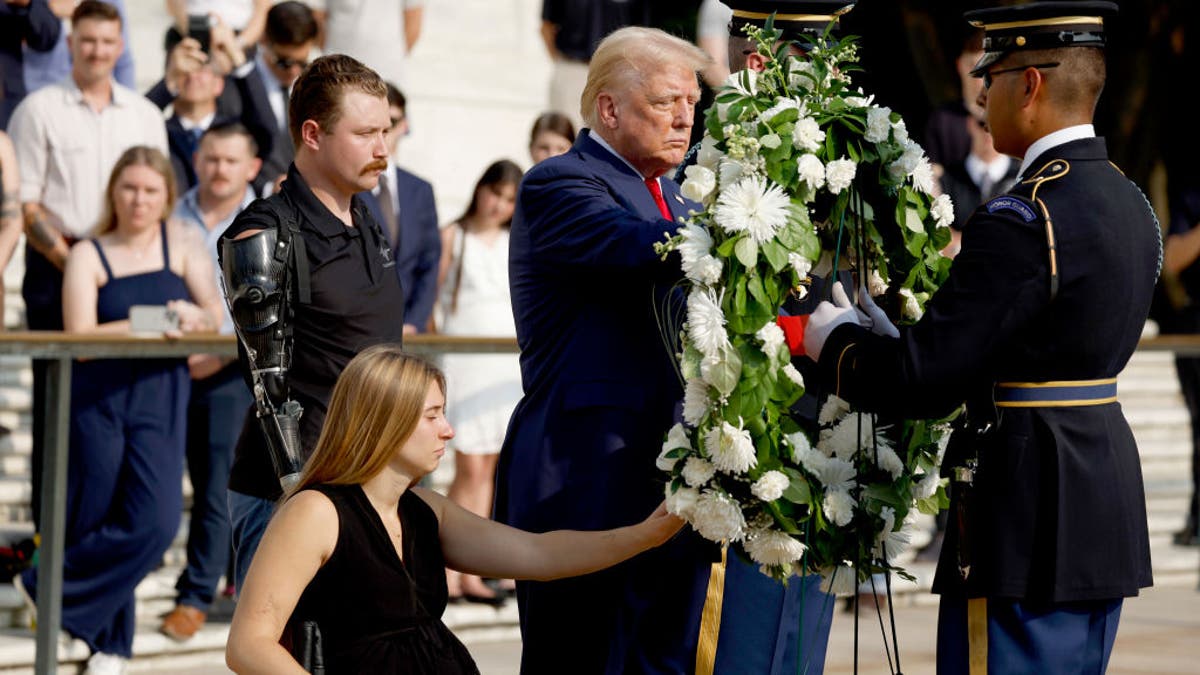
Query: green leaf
(885, 493)
(755, 286)
(776, 255)
(798, 491)
(676, 453)
(725, 373)
(690, 367)
(746, 251)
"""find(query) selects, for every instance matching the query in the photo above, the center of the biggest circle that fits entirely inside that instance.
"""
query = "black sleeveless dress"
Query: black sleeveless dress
(376, 613)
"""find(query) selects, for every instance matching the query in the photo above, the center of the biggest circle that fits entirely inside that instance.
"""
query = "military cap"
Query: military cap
(792, 17)
(1038, 25)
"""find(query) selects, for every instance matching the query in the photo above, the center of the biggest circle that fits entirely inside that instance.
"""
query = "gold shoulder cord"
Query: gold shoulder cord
(1055, 169)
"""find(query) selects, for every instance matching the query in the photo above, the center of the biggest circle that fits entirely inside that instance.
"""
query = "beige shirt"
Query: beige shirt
(66, 150)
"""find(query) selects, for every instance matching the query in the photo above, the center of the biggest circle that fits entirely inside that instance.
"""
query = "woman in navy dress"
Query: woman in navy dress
(358, 552)
(124, 495)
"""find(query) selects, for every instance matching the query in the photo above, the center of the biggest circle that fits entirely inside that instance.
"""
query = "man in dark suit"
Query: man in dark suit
(588, 291)
(403, 206)
(1042, 309)
(194, 111)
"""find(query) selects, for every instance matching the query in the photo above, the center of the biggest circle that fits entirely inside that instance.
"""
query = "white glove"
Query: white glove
(876, 319)
(826, 317)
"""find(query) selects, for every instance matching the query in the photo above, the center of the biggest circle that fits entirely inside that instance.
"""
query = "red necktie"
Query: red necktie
(656, 191)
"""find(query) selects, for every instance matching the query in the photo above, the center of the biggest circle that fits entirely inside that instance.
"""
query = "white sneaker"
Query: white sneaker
(106, 664)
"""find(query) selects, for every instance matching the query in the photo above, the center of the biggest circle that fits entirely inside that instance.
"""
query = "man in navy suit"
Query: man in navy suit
(403, 206)
(588, 295)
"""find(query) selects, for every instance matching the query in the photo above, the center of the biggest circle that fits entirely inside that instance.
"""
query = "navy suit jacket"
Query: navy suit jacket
(600, 384)
(274, 144)
(418, 248)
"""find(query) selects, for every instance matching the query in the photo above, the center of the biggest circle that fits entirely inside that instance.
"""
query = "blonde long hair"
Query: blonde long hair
(376, 404)
(138, 155)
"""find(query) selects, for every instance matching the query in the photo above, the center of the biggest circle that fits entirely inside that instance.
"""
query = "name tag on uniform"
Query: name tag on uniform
(1011, 204)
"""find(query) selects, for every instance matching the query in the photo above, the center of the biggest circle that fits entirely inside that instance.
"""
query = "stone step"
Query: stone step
(18, 442)
(16, 398)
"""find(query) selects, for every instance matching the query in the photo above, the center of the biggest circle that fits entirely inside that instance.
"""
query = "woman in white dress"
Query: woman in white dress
(484, 389)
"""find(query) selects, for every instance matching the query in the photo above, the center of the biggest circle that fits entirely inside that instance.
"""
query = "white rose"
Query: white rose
(943, 211)
(811, 171)
(839, 174)
(907, 162)
(699, 182)
(770, 486)
(697, 471)
(879, 124)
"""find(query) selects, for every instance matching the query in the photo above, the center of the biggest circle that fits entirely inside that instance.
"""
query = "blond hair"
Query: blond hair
(627, 56)
(138, 155)
(376, 404)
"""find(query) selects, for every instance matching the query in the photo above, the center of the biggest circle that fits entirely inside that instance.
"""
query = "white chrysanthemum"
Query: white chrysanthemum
(859, 101)
(772, 338)
(833, 409)
(876, 286)
(887, 459)
(696, 241)
(907, 162)
(753, 205)
(839, 581)
(697, 471)
(695, 401)
(892, 540)
(770, 486)
(942, 211)
(926, 487)
(717, 517)
(811, 171)
(835, 474)
(706, 322)
(699, 182)
(681, 501)
(774, 548)
(839, 506)
(792, 374)
(744, 82)
(839, 174)
(730, 448)
(800, 445)
(911, 309)
(799, 263)
(879, 124)
(781, 105)
(922, 176)
(807, 135)
(810, 458)
(709, 155)
(847, 436)
(900, 132)
(706, 270)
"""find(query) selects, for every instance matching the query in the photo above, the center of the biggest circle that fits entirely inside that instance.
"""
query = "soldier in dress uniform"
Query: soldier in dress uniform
(1042, 309)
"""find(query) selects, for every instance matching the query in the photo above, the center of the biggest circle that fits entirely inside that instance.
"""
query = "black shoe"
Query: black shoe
(1186, 537)
(494, 601)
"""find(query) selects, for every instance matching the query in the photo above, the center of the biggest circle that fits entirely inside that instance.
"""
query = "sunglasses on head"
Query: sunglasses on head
(989, 74)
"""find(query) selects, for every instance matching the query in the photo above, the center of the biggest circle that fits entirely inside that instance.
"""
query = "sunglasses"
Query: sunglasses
(989, 74)
(284, 63)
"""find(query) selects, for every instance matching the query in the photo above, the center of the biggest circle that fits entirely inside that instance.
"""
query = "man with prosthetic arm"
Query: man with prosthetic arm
(1042, 309)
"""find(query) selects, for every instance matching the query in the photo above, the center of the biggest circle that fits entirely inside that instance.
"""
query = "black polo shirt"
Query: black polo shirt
(356, 302)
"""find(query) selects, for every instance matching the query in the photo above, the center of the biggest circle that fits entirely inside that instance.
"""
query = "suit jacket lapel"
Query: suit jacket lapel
(629, 186)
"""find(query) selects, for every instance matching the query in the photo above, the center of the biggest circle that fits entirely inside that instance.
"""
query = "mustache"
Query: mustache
(377, 165)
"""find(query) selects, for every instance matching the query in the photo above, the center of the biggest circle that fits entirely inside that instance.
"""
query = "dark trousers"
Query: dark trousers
(215, 413)
(1024, 637)
(1189, 383)
(42, 292)
(642, 616)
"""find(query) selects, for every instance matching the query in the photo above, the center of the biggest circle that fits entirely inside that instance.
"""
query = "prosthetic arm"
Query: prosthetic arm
(258, 280)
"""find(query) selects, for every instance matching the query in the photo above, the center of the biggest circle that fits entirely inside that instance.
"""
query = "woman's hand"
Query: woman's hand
(660, 526)
(192, 319)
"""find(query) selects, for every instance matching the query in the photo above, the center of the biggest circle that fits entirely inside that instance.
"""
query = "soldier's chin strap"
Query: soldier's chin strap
(256, 274)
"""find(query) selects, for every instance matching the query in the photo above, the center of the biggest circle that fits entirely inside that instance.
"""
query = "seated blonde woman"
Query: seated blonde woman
(354, 549)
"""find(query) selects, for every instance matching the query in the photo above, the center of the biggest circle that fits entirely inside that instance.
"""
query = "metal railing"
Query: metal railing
(61, 348)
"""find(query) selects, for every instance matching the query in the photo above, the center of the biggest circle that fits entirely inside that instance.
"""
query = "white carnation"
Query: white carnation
(807, 135)
(753, 205)
(799, 263)
(794, 375)
(900, 132)
(813, 460)
(911, 309)
(730, 448)
(706, 322)
(772, 338)
(697, 471)
(810, 170)
(706, 270)
(717, 517)
(839, 506)
(887, 459)
(709, 155)
(699, 182)
(926, 487)
(879, 124)
(922, 176)
(943, 211)
(833, 409)
(800, 446)
(773, 548)
(839, 581)
(695, 401)
(781, 105)
(770, 486)
(839, 174)
(907, 162)
(681, 501)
